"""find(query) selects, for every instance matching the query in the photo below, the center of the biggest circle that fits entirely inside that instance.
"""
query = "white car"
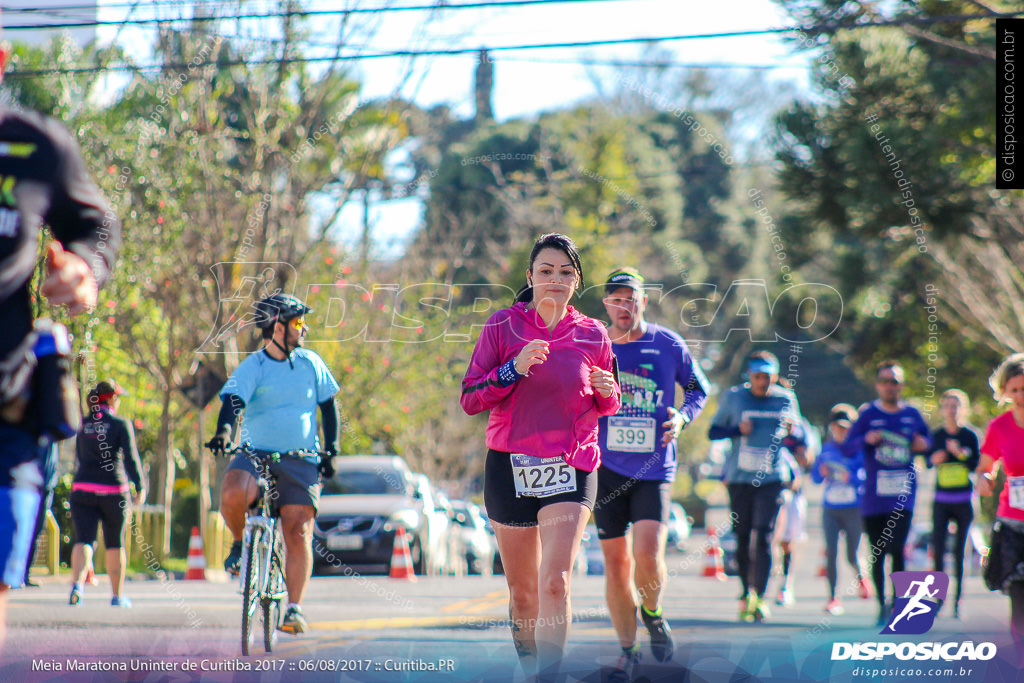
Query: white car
(679, 524)
(476, 545)
(435, 522)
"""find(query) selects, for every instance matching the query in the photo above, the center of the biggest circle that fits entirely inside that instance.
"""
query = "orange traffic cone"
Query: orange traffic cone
(713, 568)
(90, 578)
(196, 559)
(822, 569)
(401, 558)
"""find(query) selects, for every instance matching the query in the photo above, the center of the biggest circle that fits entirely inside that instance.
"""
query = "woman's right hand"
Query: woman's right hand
(534, 353)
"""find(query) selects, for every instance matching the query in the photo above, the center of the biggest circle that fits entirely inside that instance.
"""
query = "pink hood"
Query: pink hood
(553, 411)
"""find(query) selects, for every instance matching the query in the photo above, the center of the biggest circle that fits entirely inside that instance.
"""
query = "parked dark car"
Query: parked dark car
(361, 508)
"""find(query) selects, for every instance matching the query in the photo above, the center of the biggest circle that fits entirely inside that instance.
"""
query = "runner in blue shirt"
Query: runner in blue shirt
(279, 388)
(889, 432)
(840, 513)
(638, 463)
(758, 416)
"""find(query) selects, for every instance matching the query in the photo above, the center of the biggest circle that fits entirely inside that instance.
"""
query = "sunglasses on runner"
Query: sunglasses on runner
(298, 323)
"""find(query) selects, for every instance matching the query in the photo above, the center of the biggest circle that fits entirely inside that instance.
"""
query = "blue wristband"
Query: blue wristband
(507, 374)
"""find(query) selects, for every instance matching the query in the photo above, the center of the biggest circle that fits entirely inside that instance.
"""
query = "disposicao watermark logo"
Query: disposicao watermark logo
(918, 595)
(914, 612)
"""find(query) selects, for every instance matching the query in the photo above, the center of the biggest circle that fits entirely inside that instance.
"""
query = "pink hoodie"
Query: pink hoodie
(553, 410)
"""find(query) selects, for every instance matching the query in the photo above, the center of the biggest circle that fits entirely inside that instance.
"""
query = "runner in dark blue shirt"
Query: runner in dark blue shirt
(638, 463)
(890, 433)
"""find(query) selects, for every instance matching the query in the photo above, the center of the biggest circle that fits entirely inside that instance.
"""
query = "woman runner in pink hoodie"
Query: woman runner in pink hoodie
(546, 373)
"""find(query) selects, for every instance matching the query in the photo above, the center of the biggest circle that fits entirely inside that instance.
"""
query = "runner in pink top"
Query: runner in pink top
(1004, 443)
(546, 373)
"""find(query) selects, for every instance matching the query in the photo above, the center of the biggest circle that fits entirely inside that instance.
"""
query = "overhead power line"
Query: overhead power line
(294, 13)
(824, 29)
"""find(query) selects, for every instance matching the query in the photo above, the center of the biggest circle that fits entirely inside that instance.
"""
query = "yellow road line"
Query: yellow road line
(473, 601)
(389, 622)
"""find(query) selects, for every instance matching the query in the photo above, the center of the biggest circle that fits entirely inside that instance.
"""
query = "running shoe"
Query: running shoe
(120, 601)
(747, 608)
(761, 611)
(785, 598)
(834, 607)
(233, 562)
(76, 596)
(957, 614)
(884, 613)
(625, 667)
(865, 589)
(294, 622)
(662, 645)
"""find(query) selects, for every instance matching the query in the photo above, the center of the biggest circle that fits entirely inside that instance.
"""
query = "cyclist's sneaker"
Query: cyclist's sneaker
(747, 608)
(120, 601)
(76, 596)
(761, 611)
(785, 598)
(625, 668)
(834, 607)
(294, 622)
(233, 562)
(865, 589)
(662, 645)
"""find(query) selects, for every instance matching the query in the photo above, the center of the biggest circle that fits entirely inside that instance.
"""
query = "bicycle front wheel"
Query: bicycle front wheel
(251, 587)
(273, 599)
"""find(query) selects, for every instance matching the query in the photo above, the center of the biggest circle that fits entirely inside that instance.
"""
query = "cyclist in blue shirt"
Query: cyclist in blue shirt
(279, 389)
(638, 463)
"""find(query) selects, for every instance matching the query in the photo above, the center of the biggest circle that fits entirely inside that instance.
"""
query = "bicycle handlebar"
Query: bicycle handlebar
(251, 452)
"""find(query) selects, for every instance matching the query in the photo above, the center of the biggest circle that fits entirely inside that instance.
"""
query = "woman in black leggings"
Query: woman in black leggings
(955, 453)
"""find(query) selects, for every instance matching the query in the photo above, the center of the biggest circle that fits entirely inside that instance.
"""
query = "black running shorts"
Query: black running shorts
(622, 500)
(505, 507)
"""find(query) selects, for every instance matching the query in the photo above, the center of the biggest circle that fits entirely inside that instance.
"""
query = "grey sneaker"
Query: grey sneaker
(294, 622)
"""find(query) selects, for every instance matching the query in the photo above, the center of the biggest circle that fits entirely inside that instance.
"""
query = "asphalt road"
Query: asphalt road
(441, 628)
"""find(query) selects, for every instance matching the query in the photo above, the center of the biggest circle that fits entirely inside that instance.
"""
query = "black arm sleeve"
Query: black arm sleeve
(132, 462)
(329, 417)
(230, 410)
(719, 432)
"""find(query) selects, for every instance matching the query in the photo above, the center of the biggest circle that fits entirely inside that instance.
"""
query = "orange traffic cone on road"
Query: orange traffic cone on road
(822, 569)
(401, 558)
(196, 559)
(713, 567)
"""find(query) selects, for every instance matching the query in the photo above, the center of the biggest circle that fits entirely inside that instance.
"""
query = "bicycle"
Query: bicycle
(261, 579)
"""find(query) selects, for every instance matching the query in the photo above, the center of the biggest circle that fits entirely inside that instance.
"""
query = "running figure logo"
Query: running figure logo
(914, 612)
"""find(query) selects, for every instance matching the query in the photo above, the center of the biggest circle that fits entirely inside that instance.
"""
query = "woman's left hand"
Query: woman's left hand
(603, 381)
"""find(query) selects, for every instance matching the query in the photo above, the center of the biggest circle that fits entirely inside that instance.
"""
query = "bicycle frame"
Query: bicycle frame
(265, 587)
